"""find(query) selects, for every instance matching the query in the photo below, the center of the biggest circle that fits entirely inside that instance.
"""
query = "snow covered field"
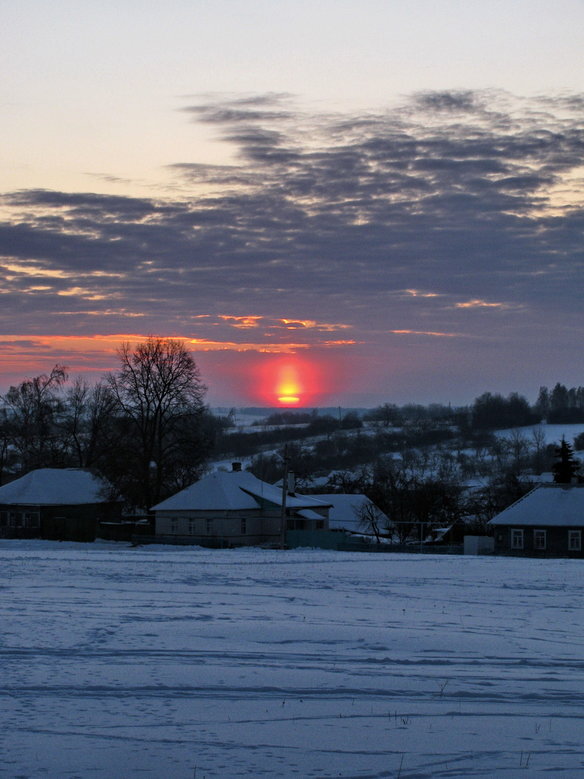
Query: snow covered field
(175, 662)
(552, 434)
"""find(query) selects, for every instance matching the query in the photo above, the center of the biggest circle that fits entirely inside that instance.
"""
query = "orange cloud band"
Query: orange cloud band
(37, 353)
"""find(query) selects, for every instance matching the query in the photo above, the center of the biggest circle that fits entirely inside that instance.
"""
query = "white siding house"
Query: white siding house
(234, 508)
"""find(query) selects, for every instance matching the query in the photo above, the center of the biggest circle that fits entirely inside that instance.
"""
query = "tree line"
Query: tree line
(144, 427)
(492, 411)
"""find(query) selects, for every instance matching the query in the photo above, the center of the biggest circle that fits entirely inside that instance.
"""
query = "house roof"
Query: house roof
(54, 487)
(344, 514)
(554, 505)
(232, 491)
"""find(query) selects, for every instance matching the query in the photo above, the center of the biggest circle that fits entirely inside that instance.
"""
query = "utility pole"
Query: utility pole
(284, 496)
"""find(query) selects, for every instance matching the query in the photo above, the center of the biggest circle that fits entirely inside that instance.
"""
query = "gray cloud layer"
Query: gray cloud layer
(473, 200)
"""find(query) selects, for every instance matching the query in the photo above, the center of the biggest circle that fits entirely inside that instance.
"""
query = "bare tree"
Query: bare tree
(87, 422)
(539, 442)
(159, 395)
(372, 520)
(32, 410)
(5, 441)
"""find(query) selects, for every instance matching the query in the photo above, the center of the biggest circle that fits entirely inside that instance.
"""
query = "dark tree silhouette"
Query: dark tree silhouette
(158, 395)
(32, 419)
(566, 466)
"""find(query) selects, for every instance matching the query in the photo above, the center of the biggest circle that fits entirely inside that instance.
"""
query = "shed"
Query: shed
(350, 511)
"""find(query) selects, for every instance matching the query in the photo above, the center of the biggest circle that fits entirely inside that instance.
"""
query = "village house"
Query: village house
(235, 508)
(548, 521)
(64, 504)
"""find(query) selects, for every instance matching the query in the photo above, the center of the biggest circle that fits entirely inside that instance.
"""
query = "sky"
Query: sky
(331, 202)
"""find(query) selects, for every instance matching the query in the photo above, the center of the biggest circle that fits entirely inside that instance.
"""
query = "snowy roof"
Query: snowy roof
(539, 478)
(344, 514)
(557, 505)
(54, 487)
(232, 491)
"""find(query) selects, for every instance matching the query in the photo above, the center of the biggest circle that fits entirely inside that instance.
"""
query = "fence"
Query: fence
(328, 539)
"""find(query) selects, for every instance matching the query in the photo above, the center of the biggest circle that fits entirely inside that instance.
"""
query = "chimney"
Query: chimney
(235, 467)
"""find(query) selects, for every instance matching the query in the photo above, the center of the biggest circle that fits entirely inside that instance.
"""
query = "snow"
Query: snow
(552, 434)
(175, 662)
(54, 486)
(346, 508)
(234, 490)
(546, 506)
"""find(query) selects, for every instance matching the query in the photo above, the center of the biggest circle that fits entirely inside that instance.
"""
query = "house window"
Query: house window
(192, 527)
(517, 539)
(539, 539)
(209, 526)
(3, 518)
(574, 540)
(243, 526)
(31, 519)
(15, 519)
(174, 525)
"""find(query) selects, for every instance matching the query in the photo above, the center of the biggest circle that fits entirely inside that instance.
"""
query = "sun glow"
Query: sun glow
(289, 386)
(290, 381)
(289, 400)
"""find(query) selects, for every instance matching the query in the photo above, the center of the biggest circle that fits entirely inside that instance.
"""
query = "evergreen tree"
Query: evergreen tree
(542, 405)
(566, 466)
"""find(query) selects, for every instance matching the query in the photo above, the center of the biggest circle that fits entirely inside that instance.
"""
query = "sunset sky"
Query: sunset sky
(345, 202)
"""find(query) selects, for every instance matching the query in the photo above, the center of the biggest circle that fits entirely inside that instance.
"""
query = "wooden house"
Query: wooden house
(55, 503)
(547, 522)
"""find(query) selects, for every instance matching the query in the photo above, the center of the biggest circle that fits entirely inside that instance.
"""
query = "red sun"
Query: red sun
(290, 382)
(289, 386)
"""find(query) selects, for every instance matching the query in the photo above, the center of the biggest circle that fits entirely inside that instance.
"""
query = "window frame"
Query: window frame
(32, 519)
(575, 534)
(14, 519)
(540, 539)
(517, 538)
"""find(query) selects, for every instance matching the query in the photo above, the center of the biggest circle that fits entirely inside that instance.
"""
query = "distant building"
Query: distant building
(55, 503)
(548, 521)
(234, 508)
(350, 512)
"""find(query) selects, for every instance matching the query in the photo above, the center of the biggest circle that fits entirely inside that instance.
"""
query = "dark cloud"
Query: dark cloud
(470, 195)
(255, 108)
(449, 101)
(82, 203)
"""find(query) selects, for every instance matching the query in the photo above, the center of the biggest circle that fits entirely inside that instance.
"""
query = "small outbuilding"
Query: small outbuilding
(235, 508)
(354, 513)
(547, 522)
(64, 504)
